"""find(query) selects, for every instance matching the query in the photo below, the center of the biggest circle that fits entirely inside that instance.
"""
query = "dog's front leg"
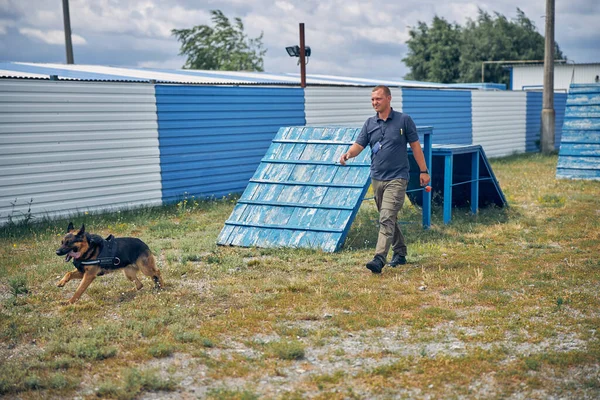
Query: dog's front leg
(88, 277)
(68, 276)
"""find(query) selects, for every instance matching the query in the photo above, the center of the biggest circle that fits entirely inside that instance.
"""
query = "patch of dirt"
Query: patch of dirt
(353, 354)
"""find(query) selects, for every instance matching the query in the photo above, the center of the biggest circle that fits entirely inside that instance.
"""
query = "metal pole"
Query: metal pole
(482, 64)
(67, 21)
(548, 113)
(302, 57)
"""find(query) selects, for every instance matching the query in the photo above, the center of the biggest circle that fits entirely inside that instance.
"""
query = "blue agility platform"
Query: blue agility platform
(461, 176)
(579, 154)
(300, 196)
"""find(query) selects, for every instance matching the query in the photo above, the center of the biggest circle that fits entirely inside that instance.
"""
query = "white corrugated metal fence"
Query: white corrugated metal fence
(67, 147)
(499, 122)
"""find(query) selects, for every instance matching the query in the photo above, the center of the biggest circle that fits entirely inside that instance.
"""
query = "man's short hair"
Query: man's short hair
(386, 90)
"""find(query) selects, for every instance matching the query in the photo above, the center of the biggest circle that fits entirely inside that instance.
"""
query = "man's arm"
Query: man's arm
(352, 152)
(420, 159)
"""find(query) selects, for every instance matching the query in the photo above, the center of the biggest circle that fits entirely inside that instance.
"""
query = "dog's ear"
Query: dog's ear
(70, 227)
(81, 230)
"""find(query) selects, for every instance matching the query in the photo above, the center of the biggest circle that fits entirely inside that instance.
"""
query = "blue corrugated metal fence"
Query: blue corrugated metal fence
(212, 138)
(448, 111)
(534, 119)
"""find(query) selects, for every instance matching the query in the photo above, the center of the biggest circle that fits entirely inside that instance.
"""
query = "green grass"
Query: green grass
(509, 306)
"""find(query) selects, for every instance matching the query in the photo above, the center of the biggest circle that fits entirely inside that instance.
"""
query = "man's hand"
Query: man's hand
(424, 178)
(344, 158)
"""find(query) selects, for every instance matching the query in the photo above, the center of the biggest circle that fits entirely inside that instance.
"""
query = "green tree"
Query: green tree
(434, 53)
(495, 38)
(223, 46)
(450, 53)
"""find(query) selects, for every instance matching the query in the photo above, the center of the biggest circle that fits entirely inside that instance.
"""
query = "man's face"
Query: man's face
(380, 101)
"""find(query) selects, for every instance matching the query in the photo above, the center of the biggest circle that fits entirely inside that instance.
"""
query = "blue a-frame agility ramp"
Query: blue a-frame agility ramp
(579, 154)
(300, 196)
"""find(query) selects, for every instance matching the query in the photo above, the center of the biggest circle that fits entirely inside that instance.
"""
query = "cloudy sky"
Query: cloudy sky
(350, 38)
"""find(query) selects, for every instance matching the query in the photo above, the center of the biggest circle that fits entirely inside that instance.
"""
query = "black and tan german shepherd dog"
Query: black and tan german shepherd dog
(94, 256)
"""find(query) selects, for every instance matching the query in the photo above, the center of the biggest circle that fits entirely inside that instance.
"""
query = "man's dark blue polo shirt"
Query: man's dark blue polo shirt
(391, 161)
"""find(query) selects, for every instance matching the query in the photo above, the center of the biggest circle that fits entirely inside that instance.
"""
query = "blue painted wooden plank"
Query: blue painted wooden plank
(341, 174)
(290, 133)
(588, 111)
(299, 183)
(250, 236)
(580, 149)
(579, 162)
(574, 136)
(578, 88)
(274, 227)
(302, 173)
(268, 192)
(587, 174)
(330, 241)
(325, 218)
(302, 216)
(342, 196)
(224, 236)
(291, 193)
(294, 154)
(276, 172)
(313, 194)
(309, 240)
(582, 124)
(238, 211)
(583, 99)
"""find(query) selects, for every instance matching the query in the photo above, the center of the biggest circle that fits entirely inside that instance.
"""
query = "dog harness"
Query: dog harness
(107, 257)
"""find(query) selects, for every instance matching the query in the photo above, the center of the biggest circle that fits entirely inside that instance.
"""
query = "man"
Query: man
(387, 133)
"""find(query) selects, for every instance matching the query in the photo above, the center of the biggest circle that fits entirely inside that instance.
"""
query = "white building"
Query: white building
(531, 76)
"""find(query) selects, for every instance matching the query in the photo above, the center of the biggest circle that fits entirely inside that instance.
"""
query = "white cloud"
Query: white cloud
(52, 36)
(349, 37)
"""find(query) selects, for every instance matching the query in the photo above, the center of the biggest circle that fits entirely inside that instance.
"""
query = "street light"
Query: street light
(303, 52)
(294, 51)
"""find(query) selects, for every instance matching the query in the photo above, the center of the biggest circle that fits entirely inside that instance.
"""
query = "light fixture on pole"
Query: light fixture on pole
(303, 52)
(294, 51)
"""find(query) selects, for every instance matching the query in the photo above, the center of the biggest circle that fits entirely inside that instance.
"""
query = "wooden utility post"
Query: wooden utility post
(548, 113)
(302, 57)
(67, 22)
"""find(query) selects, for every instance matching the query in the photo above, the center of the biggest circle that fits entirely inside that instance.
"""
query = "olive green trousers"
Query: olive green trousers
(389, 198)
